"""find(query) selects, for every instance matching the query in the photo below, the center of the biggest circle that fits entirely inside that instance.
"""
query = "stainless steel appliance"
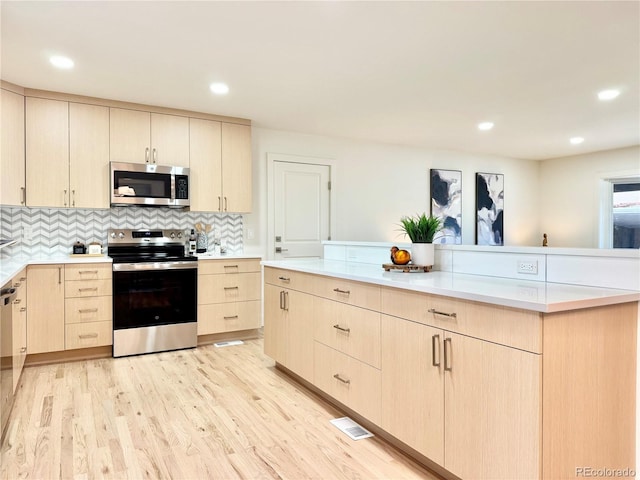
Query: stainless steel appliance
(149, 185)
(155, 291)
(7, 296)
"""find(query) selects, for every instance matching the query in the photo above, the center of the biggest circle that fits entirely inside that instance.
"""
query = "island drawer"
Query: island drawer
(346, 291)
(303, 282)
(348, 329)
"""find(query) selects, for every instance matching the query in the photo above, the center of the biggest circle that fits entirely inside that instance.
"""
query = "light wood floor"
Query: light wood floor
(205, 413)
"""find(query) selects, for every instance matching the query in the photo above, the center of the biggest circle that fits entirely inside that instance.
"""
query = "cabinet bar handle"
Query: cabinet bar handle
(340, 379)
(88, 310)
(346, 292)
(286, 301)
(444, 314)
(59, 275)
(92, 289)
(447, 354)
(24, 195)
(23, 309)
(338, 327)
(23, 279)
(155, 156)
(83, 272)
(435, 339)
(230, 318)
(281, 299)
(17, 301)
(146, 155)
(219, 204)
(88, 335)
(225, 204)
(231, 288)
(73, 198)
(16, 285)
(284, 279)
(230, 266)
(65, 198)
(23, 349)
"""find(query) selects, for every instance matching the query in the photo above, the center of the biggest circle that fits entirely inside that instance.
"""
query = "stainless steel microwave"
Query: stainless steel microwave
(149, 185)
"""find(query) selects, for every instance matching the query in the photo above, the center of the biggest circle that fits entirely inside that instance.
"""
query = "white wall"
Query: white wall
(376, 184)
(569, 194)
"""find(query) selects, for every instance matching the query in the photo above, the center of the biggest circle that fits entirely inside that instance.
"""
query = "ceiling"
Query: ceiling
(420, 74)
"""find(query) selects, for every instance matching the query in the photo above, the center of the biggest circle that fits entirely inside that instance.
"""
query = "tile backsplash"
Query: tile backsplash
(52, 231)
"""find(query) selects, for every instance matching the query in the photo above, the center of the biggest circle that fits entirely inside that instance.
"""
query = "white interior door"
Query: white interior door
(301, 208)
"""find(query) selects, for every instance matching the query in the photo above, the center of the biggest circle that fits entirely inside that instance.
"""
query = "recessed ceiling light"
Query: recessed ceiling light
(608, 94)
(576, 140)
(61, 62)
(219, 88)
(485, 126)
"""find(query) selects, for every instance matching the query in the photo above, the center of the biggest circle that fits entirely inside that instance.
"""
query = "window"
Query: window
(626, 214)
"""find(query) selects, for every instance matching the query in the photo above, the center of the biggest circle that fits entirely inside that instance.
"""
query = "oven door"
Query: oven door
(147, 294)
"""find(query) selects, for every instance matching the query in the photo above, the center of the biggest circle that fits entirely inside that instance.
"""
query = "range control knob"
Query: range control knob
(121, 235)
(172, 236)
(113, 234)
(179, 234)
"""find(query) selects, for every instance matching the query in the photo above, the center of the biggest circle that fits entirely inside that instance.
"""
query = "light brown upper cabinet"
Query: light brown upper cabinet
(12, 180)
(220, 166)
(47, 152)
(89, 156)
(67, 154)
(144, 137)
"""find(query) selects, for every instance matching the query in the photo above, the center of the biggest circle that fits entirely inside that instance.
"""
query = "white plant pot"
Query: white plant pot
(422, 254)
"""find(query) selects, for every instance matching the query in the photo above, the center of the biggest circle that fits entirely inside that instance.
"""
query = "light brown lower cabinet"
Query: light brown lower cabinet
(483, 391)
(45, 308)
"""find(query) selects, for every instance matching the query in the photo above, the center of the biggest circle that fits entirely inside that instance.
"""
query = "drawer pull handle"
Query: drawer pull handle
(17, 301)
(23, 349)
(447, 364)
(340, 379)
(338, 327)
(23, 309)
(435, 339)
(88, 335)
(230, 266)
(87, 272)
(231, 288)
(16, 285)
(444, 314)
(282, 300)
(23, 279)
(92, 289)
(346, 292)
(231, 318)
(284, 279)
(88, 310)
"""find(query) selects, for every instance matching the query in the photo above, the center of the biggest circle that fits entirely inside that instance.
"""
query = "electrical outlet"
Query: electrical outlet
(528, 266)
(27, 233)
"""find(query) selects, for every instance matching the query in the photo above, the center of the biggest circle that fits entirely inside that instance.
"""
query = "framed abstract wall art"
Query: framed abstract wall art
(489, 209)
(446, 204)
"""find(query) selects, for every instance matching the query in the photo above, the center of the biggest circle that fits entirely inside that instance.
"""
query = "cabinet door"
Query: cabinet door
(47, 152)
(274, 323)
(492, 410)
(89, 155)
(236, 167)
(12, 159)
(413, 385)
(129, 136)
(19, 324)
(45, 306)
(170, 140)
(205, 139)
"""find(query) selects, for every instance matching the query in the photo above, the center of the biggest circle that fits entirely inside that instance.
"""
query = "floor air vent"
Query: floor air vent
(351, 428)
(228, 344)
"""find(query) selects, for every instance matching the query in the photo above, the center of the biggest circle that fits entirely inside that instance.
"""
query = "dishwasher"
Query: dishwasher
(7, 296)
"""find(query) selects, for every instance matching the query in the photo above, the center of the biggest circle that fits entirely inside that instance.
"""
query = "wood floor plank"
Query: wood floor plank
(204, 413)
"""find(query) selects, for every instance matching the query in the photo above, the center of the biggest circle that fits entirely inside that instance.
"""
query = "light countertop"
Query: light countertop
(9, 268)
(525, 294)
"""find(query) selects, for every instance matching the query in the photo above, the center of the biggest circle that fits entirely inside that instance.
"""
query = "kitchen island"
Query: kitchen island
(477, 377)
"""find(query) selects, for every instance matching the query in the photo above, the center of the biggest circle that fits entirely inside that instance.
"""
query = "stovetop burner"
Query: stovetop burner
(134, 246)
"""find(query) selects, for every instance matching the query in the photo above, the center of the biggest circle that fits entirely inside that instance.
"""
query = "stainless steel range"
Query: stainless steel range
(154, 291)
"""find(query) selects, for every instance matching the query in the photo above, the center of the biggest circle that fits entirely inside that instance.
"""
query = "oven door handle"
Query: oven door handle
(134, 267)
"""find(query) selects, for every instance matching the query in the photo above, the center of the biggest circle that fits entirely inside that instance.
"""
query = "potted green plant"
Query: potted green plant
(421, 230)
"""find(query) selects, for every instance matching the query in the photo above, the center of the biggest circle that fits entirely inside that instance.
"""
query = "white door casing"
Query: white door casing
(299, 206)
